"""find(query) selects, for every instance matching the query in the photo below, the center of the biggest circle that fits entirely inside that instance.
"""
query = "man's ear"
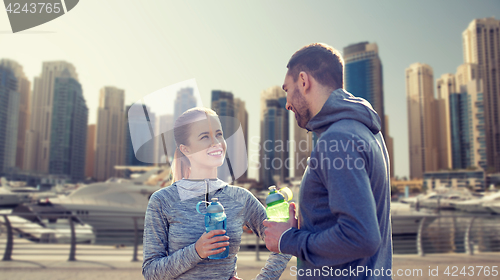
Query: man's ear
(304, 81)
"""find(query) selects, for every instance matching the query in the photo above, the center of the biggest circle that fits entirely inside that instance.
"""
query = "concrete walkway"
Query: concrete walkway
(29, 267)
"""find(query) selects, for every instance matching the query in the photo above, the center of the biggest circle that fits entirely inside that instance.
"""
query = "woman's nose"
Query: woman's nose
(215, 141)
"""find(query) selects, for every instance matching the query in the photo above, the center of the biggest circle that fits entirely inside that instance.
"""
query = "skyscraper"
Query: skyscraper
(363, 75)
(9, 110)
(481, 46)
(38, 137)
(242, 150)
(23, 88)
(90, 157)
(389, 142)
(110, 146)
(445, 87)
(68, 129)
(467, 120)
(223, 105)
(165, 124)
(274, 137)
(147, 152)
(184, 101)
(421, 119)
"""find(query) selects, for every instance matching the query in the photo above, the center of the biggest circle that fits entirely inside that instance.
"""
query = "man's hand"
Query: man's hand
(274, 230)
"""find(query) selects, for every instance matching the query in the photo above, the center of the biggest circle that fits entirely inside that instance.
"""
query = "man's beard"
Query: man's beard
(302, 112)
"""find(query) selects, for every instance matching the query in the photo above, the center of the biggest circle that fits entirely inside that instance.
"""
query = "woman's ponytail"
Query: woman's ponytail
(180, 166)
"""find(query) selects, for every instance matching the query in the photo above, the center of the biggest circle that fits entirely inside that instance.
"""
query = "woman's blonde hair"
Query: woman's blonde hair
(181, 167)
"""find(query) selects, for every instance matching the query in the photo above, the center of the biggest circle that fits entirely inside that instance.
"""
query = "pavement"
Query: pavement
(92, 266)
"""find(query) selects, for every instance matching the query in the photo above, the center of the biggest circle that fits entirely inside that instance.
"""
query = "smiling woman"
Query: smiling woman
(200, 145)
(176, 244)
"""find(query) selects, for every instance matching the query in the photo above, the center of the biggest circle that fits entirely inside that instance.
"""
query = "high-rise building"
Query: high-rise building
(363, 75)
(165, 125)
(184, 101)
(110, 146)
(467, 120)
(274, 137)
(223, 105)
(242, 150)
(68, 128)
(445, 87)
(90, 157)
(421, 119)
(389, 142)
(23, 88)
(37, 149)
(147, 151)
(9, 110)
(481, 46)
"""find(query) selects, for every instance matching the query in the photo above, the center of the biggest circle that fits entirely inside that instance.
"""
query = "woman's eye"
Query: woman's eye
(204, 137)
(219, 134)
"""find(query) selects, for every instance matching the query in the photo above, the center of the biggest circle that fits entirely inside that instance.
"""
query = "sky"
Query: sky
(242, 47)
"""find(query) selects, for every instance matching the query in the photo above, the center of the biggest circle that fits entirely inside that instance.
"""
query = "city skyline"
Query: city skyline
(205, 47)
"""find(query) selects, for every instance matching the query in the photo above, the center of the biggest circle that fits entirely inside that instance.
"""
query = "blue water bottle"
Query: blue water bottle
(215, 218)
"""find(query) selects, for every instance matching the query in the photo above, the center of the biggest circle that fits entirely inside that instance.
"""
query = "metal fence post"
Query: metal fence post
(72, 249)
(467, 239)
(257, 257)
(420, 247)
(136, 240)
(7, 256)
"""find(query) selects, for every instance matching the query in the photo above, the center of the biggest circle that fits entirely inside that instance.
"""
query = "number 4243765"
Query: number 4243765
(477, 270)
(15, 8)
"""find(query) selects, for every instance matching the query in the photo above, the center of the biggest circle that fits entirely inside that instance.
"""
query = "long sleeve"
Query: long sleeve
(276, 263)
(157, 263)
(356, 233)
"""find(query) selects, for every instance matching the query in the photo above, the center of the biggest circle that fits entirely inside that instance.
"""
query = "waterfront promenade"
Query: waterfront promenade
(92, 267)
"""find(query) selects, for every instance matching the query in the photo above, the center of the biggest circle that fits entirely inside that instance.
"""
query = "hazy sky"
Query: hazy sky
(242, 46)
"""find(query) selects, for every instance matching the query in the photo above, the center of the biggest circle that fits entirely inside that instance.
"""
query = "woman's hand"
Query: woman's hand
(207, 242)
(236, 278)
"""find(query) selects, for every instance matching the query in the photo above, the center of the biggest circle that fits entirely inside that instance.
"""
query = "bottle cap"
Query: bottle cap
(215, 206)
(274, 195)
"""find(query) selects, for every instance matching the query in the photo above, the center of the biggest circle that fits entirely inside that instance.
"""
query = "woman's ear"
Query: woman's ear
(184, 149)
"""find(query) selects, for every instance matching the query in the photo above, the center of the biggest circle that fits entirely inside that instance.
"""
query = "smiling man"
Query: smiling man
(344, 225)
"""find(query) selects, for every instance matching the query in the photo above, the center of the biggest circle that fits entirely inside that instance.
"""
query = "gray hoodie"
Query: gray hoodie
(172, 226)
(344, 215)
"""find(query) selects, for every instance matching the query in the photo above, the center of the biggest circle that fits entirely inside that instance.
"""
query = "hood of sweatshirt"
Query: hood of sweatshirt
(192, 188)
(343, 105)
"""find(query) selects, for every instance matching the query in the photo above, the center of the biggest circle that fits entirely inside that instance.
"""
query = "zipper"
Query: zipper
(207, 182)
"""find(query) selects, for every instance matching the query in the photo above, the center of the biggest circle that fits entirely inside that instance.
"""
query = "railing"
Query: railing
(454, 232)
(443, 233)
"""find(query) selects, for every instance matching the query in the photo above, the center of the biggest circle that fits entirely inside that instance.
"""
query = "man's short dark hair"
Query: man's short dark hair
(322, 62)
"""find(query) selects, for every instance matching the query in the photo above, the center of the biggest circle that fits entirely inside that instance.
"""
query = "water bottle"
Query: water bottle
(277, 205)
(215, 218)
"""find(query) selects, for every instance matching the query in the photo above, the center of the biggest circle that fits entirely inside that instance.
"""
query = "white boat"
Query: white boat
(493, 206)
(114, 209)
(477, 205)
(10, 196)
(443, 199)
